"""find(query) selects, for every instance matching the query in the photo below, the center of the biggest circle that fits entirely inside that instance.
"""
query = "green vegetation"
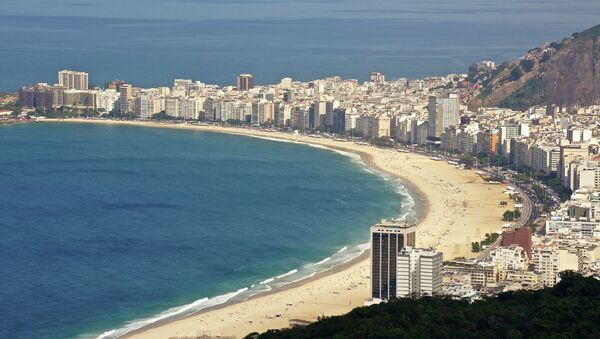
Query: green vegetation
(553, 182)
(162, 115)
(545, 57)
(527, 65)
(12, 106)
(490, 238)
(571, 309)
(493, 160)
(543, 197)
(235, 122)
(383, 142)
(54, 113)
(468, 160)
(589, 33)
(530, 94)
(485, 92)
(516, 73)
(532, 226)
(511, 215)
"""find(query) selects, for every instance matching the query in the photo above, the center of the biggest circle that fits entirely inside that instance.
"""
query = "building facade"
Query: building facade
(419, 272)
(387, 239)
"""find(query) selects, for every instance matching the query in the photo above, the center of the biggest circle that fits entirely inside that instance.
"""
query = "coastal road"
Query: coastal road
(523, 221)
(526, 210)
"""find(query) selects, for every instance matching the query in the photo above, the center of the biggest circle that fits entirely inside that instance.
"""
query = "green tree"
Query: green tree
(508, 216)
(468, 160)
(516, 73)
(570, 309)
(475, 247)
(517, 214)
(527, 65)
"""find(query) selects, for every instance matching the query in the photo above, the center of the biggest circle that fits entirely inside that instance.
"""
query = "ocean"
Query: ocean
(107, 228)
(152, 42)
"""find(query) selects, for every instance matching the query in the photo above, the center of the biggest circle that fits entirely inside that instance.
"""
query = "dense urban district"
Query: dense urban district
(548, 156)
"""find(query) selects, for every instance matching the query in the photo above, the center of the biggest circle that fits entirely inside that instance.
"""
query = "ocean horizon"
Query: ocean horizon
(214, 44)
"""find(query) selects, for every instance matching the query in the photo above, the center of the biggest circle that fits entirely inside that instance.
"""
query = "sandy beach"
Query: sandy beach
(457, 207)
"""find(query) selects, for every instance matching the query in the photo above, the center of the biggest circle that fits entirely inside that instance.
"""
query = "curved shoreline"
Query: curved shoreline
(419, 209)
(352, 271)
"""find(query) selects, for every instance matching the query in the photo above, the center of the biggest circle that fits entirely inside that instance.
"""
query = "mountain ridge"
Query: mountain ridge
(563, 73)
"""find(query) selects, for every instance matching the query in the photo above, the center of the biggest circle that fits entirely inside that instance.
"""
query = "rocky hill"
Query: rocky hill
(564, 73)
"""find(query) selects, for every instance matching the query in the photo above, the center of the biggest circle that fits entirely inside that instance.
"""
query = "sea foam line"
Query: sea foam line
(266, 281)
(342, 256)
(308, 271)
(288, 273)
(171, 313)
(323, 261)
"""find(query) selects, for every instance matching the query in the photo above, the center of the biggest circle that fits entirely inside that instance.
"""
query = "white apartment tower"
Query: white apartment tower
(419, 272)
(546, 263)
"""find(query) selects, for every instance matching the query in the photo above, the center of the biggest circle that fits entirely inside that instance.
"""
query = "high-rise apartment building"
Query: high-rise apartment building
(114, 85)
(245, 82)
(487, 141)
(125, 97)
(507, 132)
(387, 239)
(419, 272)
(286, 83)
(339, 120)
(546, 262)
(377, 77)
(73, 79)
(444, 112)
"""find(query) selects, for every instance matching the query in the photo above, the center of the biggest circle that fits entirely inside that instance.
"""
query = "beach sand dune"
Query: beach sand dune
(457, 207)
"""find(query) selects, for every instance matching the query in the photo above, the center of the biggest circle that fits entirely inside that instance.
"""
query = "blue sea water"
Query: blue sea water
(103, 225)
(151, 42)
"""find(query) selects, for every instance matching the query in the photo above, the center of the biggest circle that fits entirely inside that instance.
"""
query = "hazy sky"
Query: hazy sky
(550, 11)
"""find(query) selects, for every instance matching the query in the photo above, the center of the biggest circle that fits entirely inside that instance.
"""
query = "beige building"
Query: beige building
(73, 80)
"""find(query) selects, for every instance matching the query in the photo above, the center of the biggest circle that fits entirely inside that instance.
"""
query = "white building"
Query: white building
(172, 106)
(350, 120)
(576, 229)
(509, 258)
(106, 100)
(546, 264)
(419, 272)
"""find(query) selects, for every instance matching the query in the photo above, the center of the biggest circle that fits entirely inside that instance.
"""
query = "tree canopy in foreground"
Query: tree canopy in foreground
(570, 309)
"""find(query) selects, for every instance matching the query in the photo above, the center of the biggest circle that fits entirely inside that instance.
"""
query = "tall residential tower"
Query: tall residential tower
(387, 239)
(444, 112)
(73, 79)
(245, 82)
